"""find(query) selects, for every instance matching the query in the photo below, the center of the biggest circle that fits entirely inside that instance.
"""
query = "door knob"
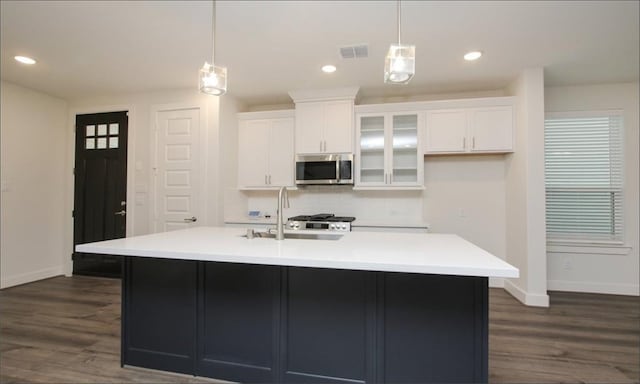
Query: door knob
(192, 219)
(121, 213)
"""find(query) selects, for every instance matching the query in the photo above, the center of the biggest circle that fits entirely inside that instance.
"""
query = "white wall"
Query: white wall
(525, 200)
(465, 195)
(602, 269)
(33, 156)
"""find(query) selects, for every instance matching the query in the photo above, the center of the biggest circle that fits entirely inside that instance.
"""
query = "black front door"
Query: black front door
(100, 203)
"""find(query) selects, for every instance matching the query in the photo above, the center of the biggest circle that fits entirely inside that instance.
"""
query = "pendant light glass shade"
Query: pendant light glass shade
(400, 64)
(213, 80)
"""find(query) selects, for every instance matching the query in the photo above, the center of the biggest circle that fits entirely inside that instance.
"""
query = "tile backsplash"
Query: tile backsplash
(396, 206)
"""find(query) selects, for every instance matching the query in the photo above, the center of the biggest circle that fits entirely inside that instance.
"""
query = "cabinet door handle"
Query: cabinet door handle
(473, 142)
(269, 179)
(320, 145)
(464, 143)
(386, 175)
(265, 180)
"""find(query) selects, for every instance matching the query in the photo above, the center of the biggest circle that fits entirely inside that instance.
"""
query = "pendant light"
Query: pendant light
(400, 63)
(213, 79)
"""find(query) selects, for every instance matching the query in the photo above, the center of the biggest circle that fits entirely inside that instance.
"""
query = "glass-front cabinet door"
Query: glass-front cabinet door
(388, 151)
(404, 149)
(372, 150)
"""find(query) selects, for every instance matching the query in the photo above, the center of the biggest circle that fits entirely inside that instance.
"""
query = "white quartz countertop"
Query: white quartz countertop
(372, 251)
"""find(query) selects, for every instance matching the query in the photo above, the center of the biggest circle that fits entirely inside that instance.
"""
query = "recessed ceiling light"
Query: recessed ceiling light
(25, 60)
(473, 55)
(328, 68)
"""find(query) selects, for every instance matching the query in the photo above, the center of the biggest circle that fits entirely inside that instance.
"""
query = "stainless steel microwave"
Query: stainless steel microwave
(334, 168)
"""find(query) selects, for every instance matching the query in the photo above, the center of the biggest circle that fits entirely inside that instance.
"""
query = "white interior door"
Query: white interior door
(178, 172)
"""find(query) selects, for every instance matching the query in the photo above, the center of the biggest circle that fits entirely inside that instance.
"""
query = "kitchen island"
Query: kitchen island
(366, 307)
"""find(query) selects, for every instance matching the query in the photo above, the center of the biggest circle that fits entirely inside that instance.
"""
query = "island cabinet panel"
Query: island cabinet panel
(238, 320)
(159, 313)
(434, 329)
(278, 324)
(326, 326)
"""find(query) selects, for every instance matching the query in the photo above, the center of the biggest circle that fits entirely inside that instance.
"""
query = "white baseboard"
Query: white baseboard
(525, 297)
(590, 287)
(10, 281)
(67, 268)
(496, 282)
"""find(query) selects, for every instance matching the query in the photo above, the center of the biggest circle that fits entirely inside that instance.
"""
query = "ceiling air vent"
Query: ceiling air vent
(354, 52)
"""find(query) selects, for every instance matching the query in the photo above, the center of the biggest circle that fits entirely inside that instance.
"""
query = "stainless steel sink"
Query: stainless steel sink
(301, 236)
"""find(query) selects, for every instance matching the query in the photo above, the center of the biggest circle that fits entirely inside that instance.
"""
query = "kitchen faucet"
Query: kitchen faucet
(282, 194)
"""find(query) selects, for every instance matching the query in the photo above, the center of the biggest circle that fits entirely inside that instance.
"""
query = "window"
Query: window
(583, 176)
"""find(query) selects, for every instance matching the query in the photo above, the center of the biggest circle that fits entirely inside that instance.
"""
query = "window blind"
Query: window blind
(584, 177)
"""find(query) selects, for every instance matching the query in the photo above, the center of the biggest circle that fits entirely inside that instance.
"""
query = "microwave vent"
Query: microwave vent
(354, 51)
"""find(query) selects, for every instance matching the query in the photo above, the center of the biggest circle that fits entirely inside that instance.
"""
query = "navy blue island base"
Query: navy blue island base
(252, 323)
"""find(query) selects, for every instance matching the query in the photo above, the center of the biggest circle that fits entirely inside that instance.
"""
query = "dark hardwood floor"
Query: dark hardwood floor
(67, 330)
(580, 338)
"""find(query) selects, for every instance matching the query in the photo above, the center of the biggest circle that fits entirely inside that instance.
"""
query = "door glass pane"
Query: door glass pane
(405, 148)
(113, 128)
(102, 142)
(91, 130)
(90, 143)
(102, 129)
(113, 142)
(372, 149)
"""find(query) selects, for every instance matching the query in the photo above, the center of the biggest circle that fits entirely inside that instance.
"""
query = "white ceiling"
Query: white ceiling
(89, 48)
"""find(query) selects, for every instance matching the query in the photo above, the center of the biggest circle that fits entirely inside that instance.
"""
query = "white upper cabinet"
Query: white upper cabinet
(491, 129)
(324, 127)
(265, 150)
(309, 132)
(338, 130)
(324, 120)
(446, 131)
(388, 154)
(253, 153)
(469, 130)
(281, 155)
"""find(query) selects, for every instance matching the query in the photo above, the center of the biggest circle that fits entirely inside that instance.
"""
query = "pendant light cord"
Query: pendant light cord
(398, 22)
(213, 31)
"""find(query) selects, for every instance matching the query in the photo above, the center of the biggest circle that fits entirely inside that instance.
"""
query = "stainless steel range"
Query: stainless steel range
(321, 222)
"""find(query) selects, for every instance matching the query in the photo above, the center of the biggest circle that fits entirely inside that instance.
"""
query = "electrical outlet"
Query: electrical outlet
(566, 265)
